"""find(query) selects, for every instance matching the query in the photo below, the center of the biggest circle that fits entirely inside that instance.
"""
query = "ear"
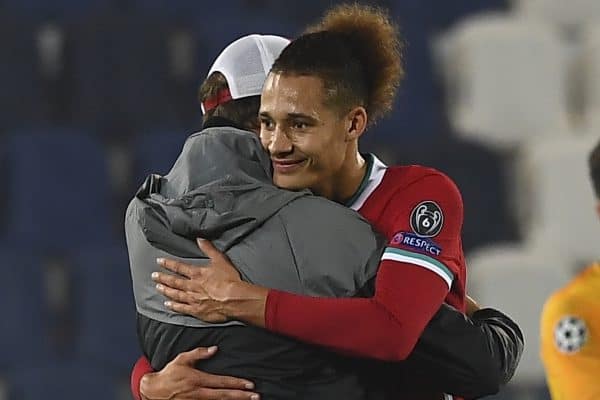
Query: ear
(356, 123)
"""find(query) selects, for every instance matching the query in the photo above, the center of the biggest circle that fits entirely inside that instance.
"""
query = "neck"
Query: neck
(347, 180)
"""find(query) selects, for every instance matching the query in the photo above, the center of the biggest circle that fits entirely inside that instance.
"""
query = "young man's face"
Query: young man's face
(306, 139)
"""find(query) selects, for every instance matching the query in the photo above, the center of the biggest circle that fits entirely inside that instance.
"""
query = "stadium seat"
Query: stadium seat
(57, 10)
(555, 197)
(138, 71)
(156, 152)
(518, 280)
(65, 380)
(509, 79)
(565, 14)
(21, 94)
(58, 190)
(105, 310)
(188, 10)
(159, 74)
(220, 32)
(25, 323)
(418, 111)
(300, 14)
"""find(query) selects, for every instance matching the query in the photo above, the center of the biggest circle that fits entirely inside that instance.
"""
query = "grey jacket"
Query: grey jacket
(220, 189)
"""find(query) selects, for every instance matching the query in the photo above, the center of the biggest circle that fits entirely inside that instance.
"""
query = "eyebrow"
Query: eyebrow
(300, 116)
(265, 114)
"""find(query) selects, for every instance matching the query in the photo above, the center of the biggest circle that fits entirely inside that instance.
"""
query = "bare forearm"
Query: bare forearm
(247, 303)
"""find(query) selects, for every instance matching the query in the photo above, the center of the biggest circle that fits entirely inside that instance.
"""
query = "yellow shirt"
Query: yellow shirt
(570, 338)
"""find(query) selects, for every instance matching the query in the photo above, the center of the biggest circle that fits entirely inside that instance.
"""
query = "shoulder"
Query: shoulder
(567, 312)
(566, 300)
(566, 318)
(416, 187)
(420, 178)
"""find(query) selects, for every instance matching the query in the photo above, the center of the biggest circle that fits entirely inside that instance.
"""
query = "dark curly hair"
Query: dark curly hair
(356, 50)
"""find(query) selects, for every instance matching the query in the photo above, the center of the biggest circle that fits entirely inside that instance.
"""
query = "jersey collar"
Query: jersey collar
(370, 182)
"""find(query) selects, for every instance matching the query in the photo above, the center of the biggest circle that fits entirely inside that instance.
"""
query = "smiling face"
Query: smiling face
(309, 141)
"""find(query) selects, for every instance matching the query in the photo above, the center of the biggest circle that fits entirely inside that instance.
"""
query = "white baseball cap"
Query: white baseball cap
(246, 63)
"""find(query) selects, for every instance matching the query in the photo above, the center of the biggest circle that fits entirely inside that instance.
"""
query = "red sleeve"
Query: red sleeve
(415, 275)
(141, 368)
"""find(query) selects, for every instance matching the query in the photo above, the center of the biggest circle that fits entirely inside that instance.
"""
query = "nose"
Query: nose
(280, 142)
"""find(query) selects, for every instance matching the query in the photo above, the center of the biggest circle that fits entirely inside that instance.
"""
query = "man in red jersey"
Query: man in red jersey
(314, 107)
(322, 93)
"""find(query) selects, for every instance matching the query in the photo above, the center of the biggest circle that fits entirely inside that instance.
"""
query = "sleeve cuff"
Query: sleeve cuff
(141, 368)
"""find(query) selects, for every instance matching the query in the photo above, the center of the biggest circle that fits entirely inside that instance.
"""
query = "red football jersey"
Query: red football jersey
(420, 211)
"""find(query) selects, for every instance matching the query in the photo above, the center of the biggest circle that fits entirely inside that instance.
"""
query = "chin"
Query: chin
(288, 183)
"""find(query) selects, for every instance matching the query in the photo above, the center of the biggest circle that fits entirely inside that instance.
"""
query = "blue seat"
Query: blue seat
(105, 310)
(188, 9)
(25, 316)
(21, 94)
(57, 9)
(58, 190)
(417, 109)
(218, 33)
(156, 152)
(125, 80)
(65, 380)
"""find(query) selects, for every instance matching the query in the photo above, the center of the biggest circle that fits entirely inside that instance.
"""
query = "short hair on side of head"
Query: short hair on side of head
(356, 50)
(242, 112)
(594, 166)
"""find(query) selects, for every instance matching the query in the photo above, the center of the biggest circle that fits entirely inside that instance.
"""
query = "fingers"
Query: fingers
(209, 249)
(181, 308)
(189, 358)
(172, 281)
(224, 394)
(223, 382)
(176, 266)
(175, 294)
(196, 311)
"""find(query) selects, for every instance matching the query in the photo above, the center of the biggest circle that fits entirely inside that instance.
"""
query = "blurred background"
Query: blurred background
(503, 96)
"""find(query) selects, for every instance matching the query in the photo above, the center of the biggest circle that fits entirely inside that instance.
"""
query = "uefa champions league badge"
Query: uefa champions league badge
(570, 334)
(415, 242)
(427, 219)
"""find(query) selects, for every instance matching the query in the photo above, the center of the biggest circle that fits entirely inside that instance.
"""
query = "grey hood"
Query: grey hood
(211, 192)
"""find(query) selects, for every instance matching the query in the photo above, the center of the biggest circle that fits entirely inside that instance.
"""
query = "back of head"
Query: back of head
(235, 80)
(241, 112)
(355, 49)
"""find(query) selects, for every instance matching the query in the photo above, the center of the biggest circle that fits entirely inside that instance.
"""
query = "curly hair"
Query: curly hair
(356, 50)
